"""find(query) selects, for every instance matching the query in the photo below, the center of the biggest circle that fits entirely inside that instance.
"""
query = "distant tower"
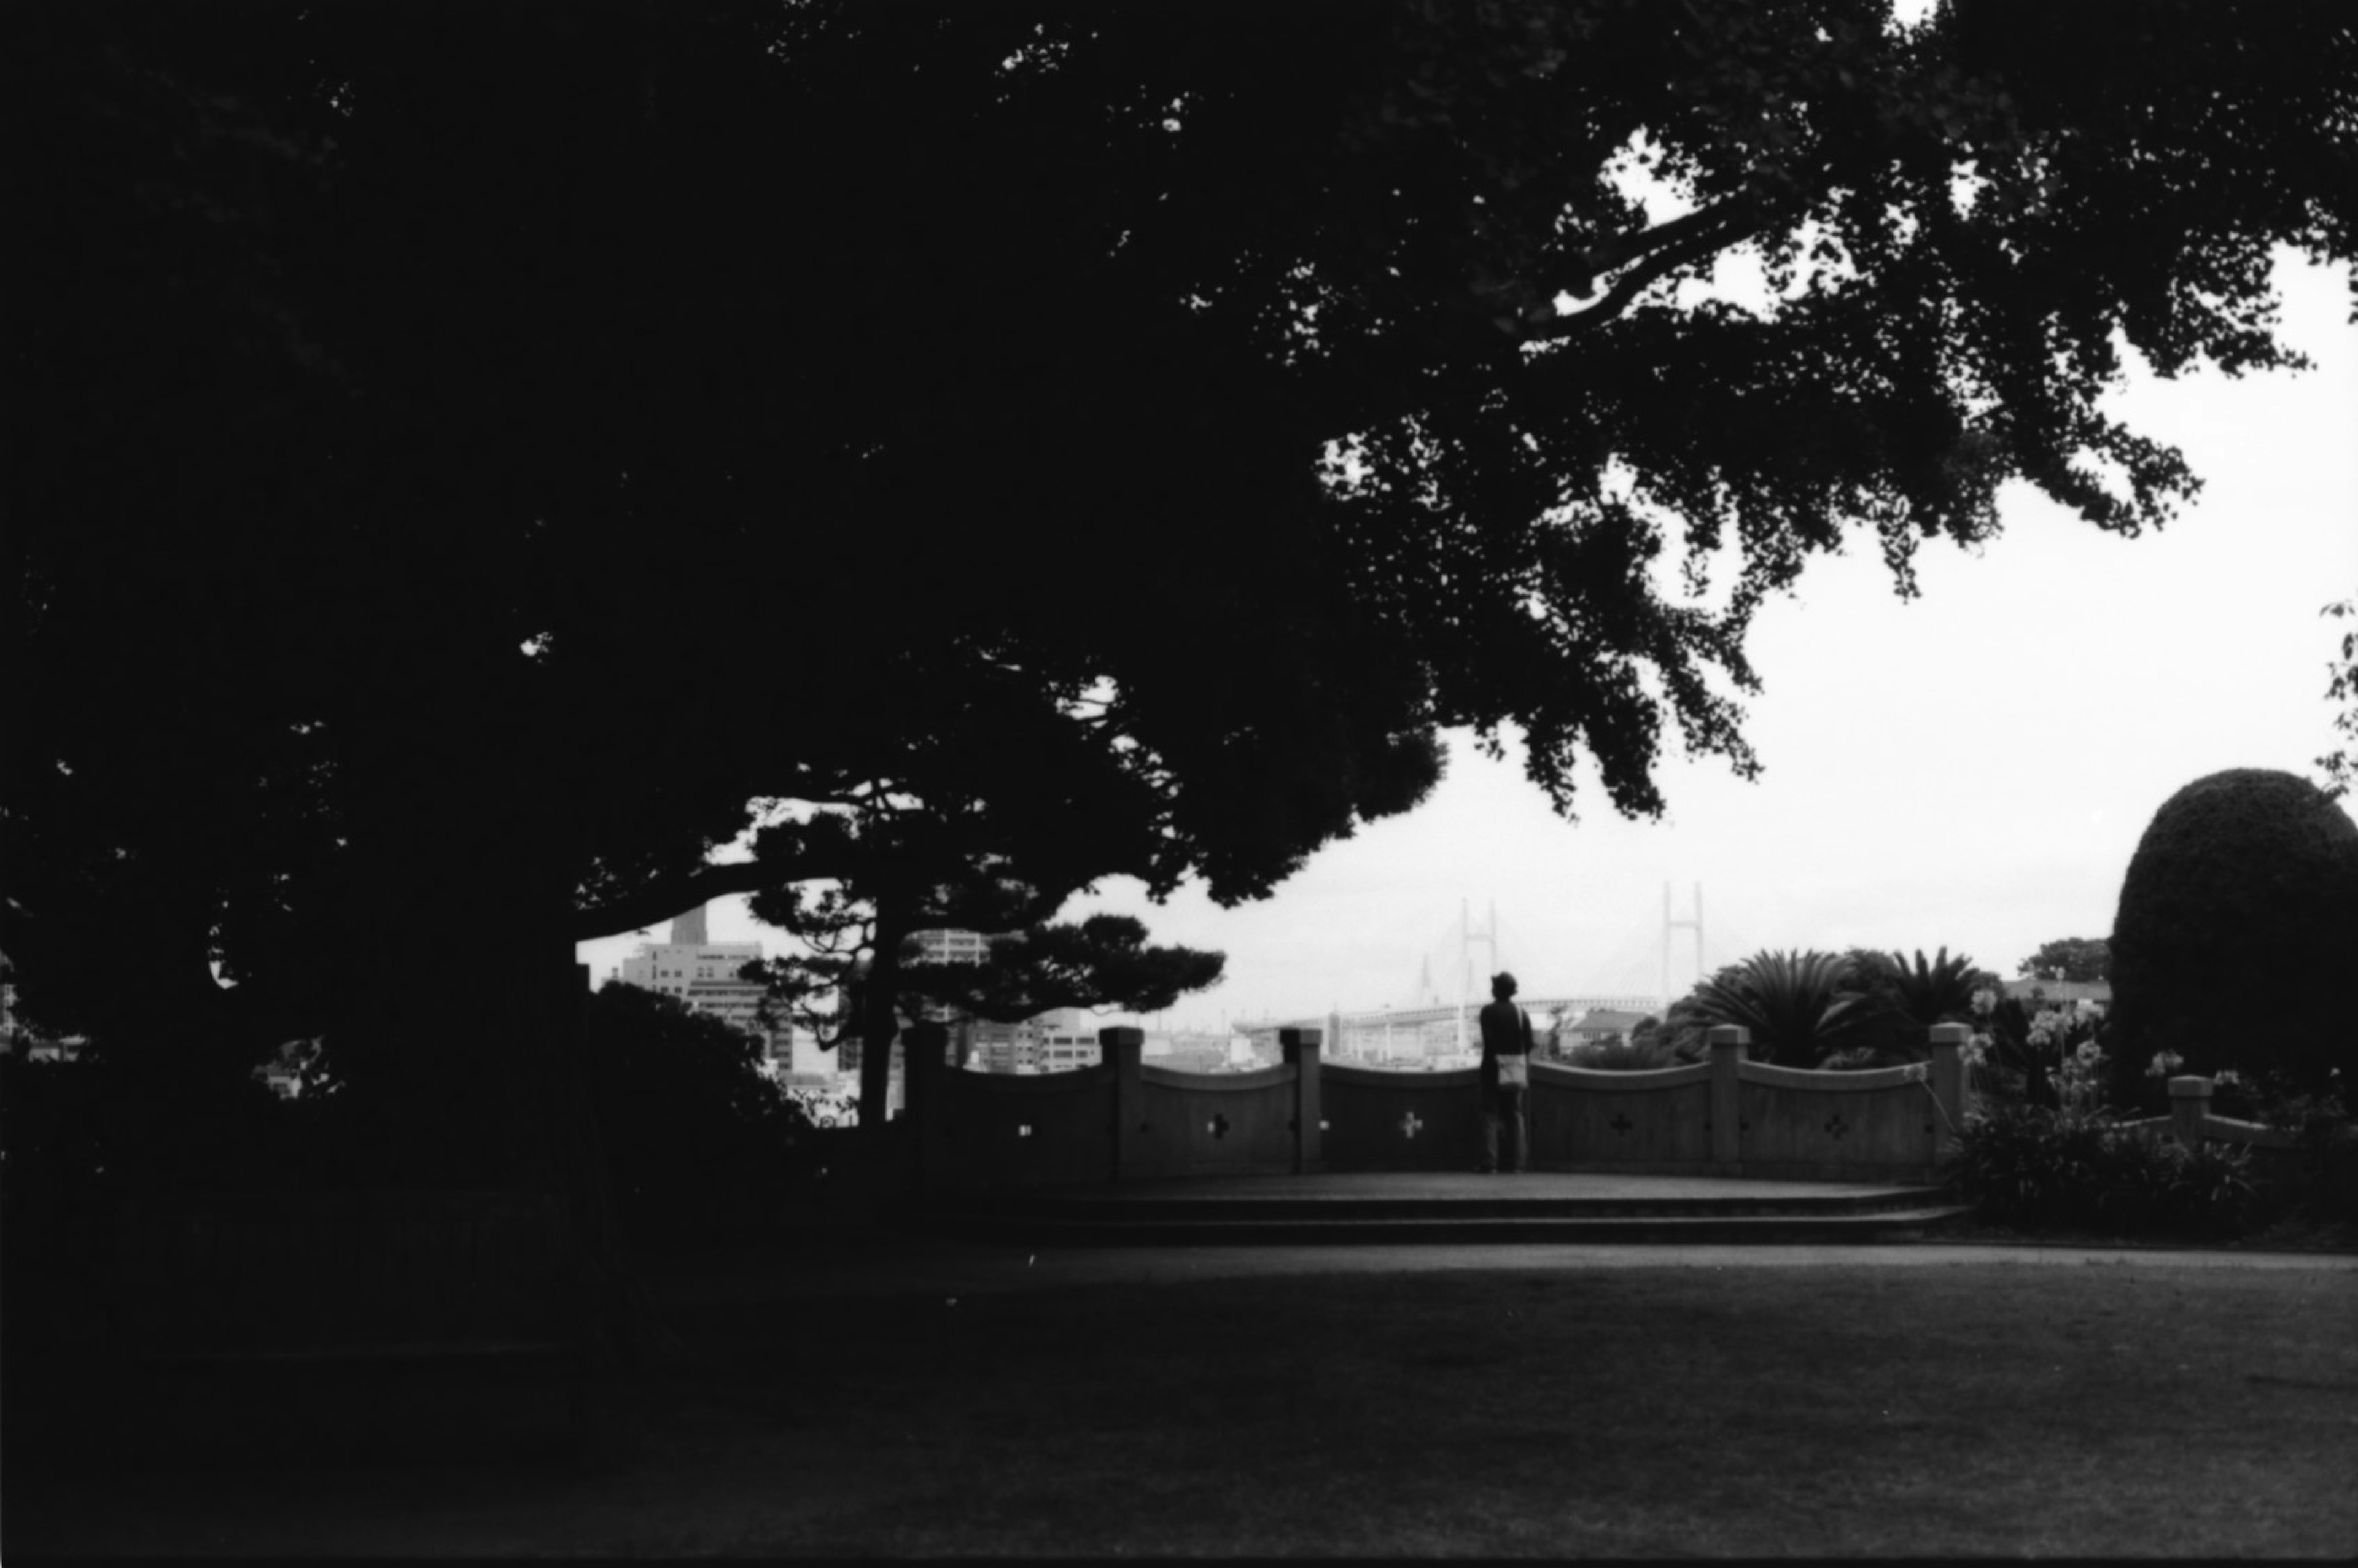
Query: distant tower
(688, 931)
(1669, 925)
(1465, 939)
(1425, 995)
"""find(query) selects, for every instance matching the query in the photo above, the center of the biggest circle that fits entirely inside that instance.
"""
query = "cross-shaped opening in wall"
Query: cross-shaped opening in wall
(1022, 1130)
(1217, 1127)
(1836, 1126)
(1410, 1125)
(1621, 1124)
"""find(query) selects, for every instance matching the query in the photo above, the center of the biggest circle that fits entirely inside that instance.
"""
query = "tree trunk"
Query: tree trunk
(879, 1023)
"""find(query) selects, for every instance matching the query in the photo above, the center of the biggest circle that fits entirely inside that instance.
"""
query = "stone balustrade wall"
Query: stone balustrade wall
(1124, 1119)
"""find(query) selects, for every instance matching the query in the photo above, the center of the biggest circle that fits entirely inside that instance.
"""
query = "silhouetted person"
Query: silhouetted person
(1506, 1074)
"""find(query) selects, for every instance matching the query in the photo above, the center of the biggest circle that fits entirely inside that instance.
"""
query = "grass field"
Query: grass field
(2148, 1409)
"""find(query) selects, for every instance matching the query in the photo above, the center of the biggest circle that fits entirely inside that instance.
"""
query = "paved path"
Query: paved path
(896, 1266)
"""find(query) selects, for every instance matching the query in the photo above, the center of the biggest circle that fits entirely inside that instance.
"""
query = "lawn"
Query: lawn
(2148, 1409)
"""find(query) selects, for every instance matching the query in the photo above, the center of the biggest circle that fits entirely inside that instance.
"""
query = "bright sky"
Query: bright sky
(1971, 769)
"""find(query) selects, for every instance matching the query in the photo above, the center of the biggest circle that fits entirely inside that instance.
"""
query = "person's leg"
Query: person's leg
(1489, 1137)
(1519, 1107)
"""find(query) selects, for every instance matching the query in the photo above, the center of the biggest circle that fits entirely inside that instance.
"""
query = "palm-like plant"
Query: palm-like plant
(1793, 1002)
(1938, 992)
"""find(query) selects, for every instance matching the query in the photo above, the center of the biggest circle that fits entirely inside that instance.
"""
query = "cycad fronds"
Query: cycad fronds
(1937, 992)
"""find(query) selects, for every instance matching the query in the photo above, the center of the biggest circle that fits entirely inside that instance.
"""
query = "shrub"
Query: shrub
(2321, 1175)
(1615, 1055)
(1683, 1025)
(2021, 1163)
(2212, 1186)
(2040, 1167)
(700, 1144)
(2230, 945)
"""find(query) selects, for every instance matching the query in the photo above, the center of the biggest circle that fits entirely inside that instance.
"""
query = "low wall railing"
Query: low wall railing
(1125, 1119)
(2191, 1119)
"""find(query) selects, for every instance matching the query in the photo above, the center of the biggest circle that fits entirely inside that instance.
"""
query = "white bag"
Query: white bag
(1514, 1066)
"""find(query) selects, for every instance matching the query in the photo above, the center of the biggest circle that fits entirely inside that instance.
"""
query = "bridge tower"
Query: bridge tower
(1466, 935)
(1669, 925)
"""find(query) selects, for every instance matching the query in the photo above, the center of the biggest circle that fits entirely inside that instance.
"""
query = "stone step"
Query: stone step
(1040, 1227)
(1503, 1203)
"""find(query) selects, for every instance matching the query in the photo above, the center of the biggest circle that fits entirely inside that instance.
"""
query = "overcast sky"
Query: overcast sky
(1970, 769)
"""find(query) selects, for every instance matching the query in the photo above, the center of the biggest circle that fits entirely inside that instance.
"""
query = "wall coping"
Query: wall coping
(1389, 1078)
(2227, 1129)
(1566, 1075)
(1217, 1083)
(1819, 1079)
(1065, 1082)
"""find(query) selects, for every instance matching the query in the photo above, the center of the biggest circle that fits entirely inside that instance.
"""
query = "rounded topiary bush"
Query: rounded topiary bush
(2233, 940)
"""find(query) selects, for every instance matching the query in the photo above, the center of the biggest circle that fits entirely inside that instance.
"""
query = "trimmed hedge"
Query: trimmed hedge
(2231, 944)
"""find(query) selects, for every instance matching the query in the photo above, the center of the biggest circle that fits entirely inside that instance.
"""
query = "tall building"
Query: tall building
(1052, 1042)
(945, 945)
(703, 973)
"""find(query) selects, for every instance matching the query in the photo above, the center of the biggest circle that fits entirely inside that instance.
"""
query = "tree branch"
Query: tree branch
(671, 895)
(1666, 247)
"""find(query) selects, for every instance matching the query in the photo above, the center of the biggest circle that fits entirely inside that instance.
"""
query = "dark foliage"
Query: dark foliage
(2231, 944)
(2339, 767)
(1645, 1050)
(1103, 961)
(699, 1145)
(2069, 959)
(1899, 1000)
(695, 1143)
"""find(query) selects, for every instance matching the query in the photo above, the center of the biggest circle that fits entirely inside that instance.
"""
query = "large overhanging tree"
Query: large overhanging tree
(464, 459)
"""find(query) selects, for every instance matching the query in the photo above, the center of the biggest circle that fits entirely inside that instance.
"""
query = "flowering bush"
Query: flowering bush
(2049, 1058)
(2076, 1167)
(2079, 1080)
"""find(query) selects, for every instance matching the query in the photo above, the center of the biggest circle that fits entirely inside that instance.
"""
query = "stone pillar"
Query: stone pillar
(1301, 1048)
(1123, 1049)
(1949, 1080)
(1728, 1044)
(2190, 1107)
(925, 1093)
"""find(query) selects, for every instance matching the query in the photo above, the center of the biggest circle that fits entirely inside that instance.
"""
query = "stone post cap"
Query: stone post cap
(1952, 1033)
(1298, 1037)
(2190, 1087)
(1121, 1034)
(1728, 1034)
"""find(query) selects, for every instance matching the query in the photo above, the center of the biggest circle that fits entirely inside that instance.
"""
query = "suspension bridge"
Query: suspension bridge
(1436, 1024)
